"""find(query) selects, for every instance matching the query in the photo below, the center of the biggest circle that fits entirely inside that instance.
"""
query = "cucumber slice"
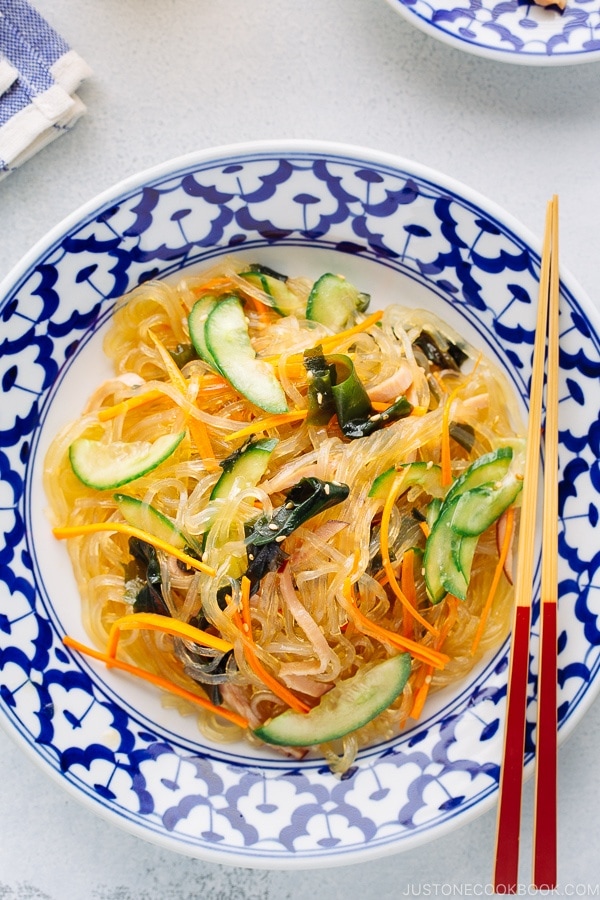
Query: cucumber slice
(479, 508)
(275, 286)
(228, 341)
(347, 706)
(432, 512)
(440, 560)
(464, 551)
(334, 302)
(196, 321)
(426, 474)
(247, 466)
(108, 466)
(486, 469)
(451, 544)
(148, 518)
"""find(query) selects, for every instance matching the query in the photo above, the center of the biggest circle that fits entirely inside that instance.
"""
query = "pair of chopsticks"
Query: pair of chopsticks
(511, 779)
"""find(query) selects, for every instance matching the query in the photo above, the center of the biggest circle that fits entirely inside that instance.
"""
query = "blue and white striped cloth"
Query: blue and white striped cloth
(39, 74)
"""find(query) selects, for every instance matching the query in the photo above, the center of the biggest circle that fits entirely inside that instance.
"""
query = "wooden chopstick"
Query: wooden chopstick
(511, 776)
(545, 824)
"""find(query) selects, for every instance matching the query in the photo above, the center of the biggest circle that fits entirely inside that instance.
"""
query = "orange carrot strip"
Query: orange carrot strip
(172, 369)
(409, 590)
(274, 421)
(243, 623)
(156, 680)
(166, 625)
(333, 340)
(421, 696)
(69, 531)
(419, 651)
(385, 554)
(111, 412)
(260, 308)
(510, 516)
(220, 281)
(425, 684)
(197, 428)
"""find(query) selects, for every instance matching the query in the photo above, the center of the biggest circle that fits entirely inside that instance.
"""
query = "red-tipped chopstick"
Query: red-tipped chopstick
(545, 825)
(511, 777)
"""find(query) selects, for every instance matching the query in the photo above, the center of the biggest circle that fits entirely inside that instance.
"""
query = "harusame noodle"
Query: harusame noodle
(336, 588)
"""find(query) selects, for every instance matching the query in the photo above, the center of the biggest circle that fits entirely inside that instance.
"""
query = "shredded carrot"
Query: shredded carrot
(274, 421)
(260, 308)
(381, 406)
(421, 696)
(333, 340)
(409, 590)
(69, 531)
(385, 554)
(419, 651)
(425, 528)
(243, 623)
(510, 516)
(203, 443)
(424, 682)
(197, 428)
(166, 625)
(156, 680)
(173, 370)
(111, 412)
(213, 284)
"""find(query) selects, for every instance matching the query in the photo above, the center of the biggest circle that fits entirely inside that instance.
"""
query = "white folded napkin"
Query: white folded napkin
(39, 74)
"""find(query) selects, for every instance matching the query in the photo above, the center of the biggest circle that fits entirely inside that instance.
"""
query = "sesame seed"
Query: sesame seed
(280, 538)
(273, 526)
(327, 489)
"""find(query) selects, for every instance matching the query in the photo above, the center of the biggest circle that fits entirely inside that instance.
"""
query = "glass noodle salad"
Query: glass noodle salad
(292, 514)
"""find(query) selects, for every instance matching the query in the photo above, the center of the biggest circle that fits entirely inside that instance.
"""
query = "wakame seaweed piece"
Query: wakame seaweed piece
(321, 402)
(304, 500)
(450, 358)
(457, 353)
(349, 393)
(261, 560)
(259, 269)
(183, 354)
(357, 428)
(150, 597)
(463, 434)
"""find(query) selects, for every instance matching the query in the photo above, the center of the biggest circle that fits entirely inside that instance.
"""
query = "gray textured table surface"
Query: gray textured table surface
(172, 76)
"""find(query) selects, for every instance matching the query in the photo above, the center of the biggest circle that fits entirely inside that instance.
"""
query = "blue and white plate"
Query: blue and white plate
(405, 234)
(513, 31)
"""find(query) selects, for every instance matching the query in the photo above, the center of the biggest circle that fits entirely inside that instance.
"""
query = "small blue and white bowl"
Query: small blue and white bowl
(512, 31)
(403, 233)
